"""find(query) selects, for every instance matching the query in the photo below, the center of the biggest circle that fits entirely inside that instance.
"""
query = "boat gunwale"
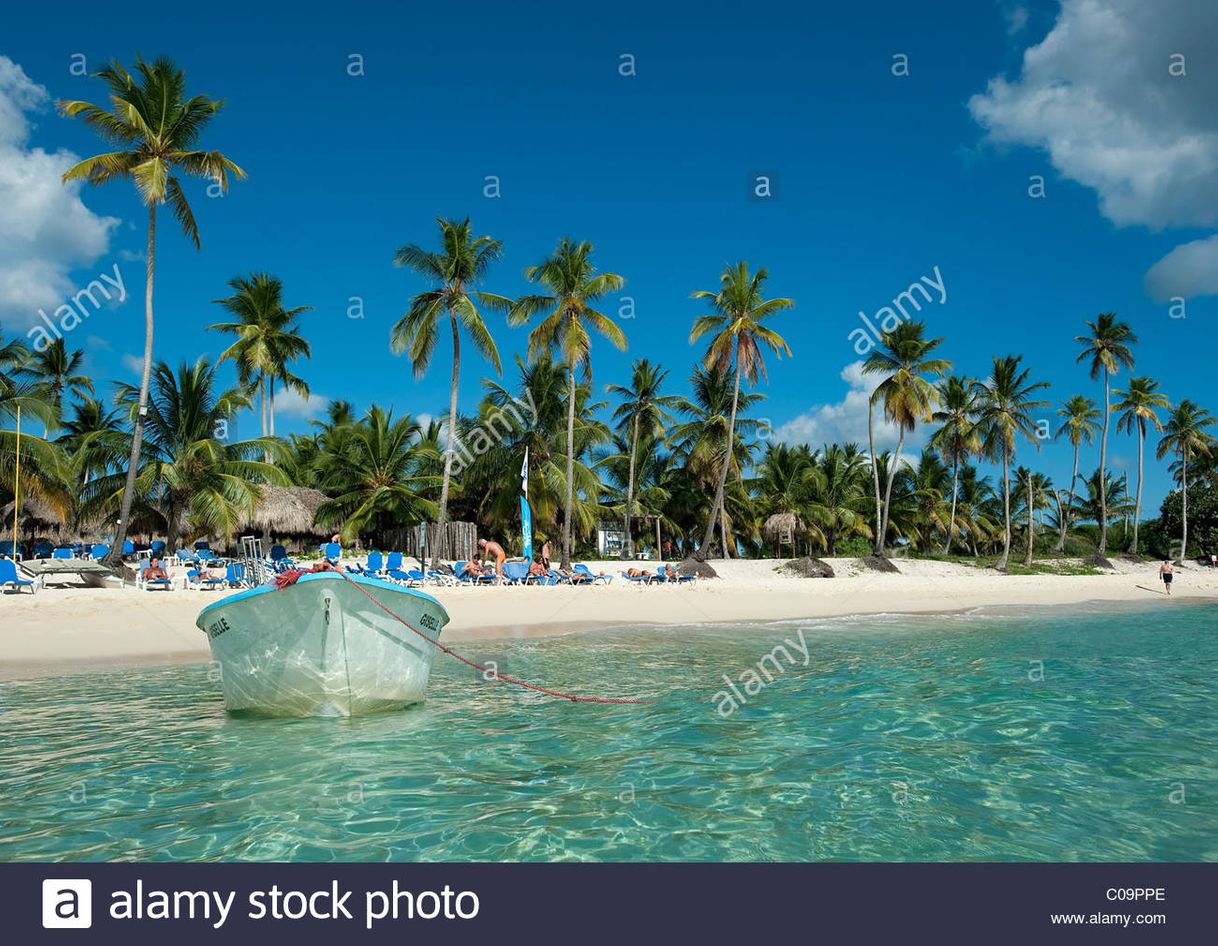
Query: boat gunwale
(248, 593)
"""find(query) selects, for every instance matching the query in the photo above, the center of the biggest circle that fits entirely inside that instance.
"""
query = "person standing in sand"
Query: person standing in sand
(493, 550)
(1165, 575)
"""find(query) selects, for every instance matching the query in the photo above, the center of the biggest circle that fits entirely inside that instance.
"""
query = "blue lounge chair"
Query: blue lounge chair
(10, 579)
(375, 564)
(206, 555)
(128, 548)
(394, 562)
(234, 574)
(332, 552)
(151, 584)
(43, 549)
(639, 579)
(63, 551)
(516, 573)
(197, 580)
(99, 551)
(157, 549)
(581, 569)
(279, 554)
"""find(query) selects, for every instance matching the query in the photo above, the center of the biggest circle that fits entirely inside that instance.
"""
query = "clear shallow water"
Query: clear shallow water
(903, 739)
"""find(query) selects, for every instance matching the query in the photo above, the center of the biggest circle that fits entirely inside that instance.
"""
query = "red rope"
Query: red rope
(497, 675)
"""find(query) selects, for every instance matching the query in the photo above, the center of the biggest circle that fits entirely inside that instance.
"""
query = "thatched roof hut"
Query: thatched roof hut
(286, 510)
(784, 526)
(36, 518)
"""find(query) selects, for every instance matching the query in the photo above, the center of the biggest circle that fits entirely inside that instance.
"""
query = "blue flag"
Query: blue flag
(526, 515)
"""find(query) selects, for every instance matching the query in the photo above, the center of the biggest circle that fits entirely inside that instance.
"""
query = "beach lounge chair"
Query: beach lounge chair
(515, 573)
(10, 579)
(393, 562)
(43, 549)
(99, 551)
(234, 574)
(157, 549)
(151, 584)
(279, 554)
(128, 548)
(581, 569)
(64, 551)
(332, 552)
(206, 555)
(196, 579)
(639, 579)
(375, 564)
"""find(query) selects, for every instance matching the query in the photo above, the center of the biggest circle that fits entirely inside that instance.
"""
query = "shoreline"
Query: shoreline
(65, 630)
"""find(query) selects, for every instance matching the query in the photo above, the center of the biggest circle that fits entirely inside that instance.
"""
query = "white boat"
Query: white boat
(319, 647)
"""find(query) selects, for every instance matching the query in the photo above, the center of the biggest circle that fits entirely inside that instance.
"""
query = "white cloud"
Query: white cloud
(846, 420)
(1098, 94)
(1191, 269)
(45, 229)
(1016, 18)
(134, 364)
(290, 404)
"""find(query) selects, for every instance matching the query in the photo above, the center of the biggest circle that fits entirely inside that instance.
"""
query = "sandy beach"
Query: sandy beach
(66, 627)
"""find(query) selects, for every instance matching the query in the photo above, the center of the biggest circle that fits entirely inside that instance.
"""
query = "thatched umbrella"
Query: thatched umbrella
(286, 510)
(783, 527)
(37, 519)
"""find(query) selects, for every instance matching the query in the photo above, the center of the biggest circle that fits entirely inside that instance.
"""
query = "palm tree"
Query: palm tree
(376, 479)
(1184, 435)
(1036, 488)
(56, 371)
(837, 501)
(957, 438)
(907, 396)
(157, 129)
(644, 410)
(1107, 348)
(737, 327)
(455, 269)
(1080, 414)
(1137, 405)
(573, 286)
(188, 476)
(1004, 406)
(268, 340)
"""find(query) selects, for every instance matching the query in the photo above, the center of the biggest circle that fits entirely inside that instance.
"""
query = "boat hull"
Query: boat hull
(319, 647)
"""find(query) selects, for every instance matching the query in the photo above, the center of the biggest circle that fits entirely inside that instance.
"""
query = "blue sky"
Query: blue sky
(879, 179)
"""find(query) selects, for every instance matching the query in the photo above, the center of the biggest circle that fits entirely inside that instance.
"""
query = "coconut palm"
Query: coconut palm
(268, 340)
(838, 493)
(187, 475)
(56, 371)
(572, 286)
(957, 438)
(1080, 427)
(738, 332)
(375, 480)
(157, 130)
(1034, 491)
(1184, 434)
(1107, 349)
(907, 396)
(460, 264)
(1137, 405)
(1004, 412)
(643, 410)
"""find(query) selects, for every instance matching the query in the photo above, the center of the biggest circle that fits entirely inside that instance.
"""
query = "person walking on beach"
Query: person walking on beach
(493, 550)
(1165, 575)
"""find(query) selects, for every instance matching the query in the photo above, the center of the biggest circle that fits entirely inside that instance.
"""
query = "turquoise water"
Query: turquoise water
(925, 738)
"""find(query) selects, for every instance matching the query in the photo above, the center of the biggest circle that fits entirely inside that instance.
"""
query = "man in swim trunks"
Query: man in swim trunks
(155, 571)
(493, 550)
(1165, 575)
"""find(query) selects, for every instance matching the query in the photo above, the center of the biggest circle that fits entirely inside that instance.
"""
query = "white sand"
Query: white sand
(65, 628)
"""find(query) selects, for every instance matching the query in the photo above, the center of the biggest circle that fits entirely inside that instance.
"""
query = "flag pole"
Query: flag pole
(17, 484)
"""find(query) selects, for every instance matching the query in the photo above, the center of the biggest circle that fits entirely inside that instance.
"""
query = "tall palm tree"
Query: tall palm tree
(1004, 411)
(1035, 490)
(738, 332)
(268, 339)
(1107, 349)
(460, 264)
(1080, 426)
(1185, 435)
(1137, 405)
(643, 410)
(908, 397)
(573, 286)
(57, 371)
(957, 438)
(157, 130)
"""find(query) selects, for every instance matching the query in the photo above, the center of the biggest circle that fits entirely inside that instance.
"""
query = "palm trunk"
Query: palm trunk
(1066, 513)
(270, 409)
(1184, 508)
(1137, 503)
(627, 537)
(723, 531)
(892, 475)
(1006, 511)
(875, 479)
(704, 549)
(951, 523)
(437, 552)
(567, 531)
(1027, 555)
(1103, 483)
(115, 555)
(659, 548)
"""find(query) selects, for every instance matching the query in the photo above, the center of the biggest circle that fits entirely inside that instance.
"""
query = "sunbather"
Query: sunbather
(155, 571)
(537, 569)
(636, 573)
